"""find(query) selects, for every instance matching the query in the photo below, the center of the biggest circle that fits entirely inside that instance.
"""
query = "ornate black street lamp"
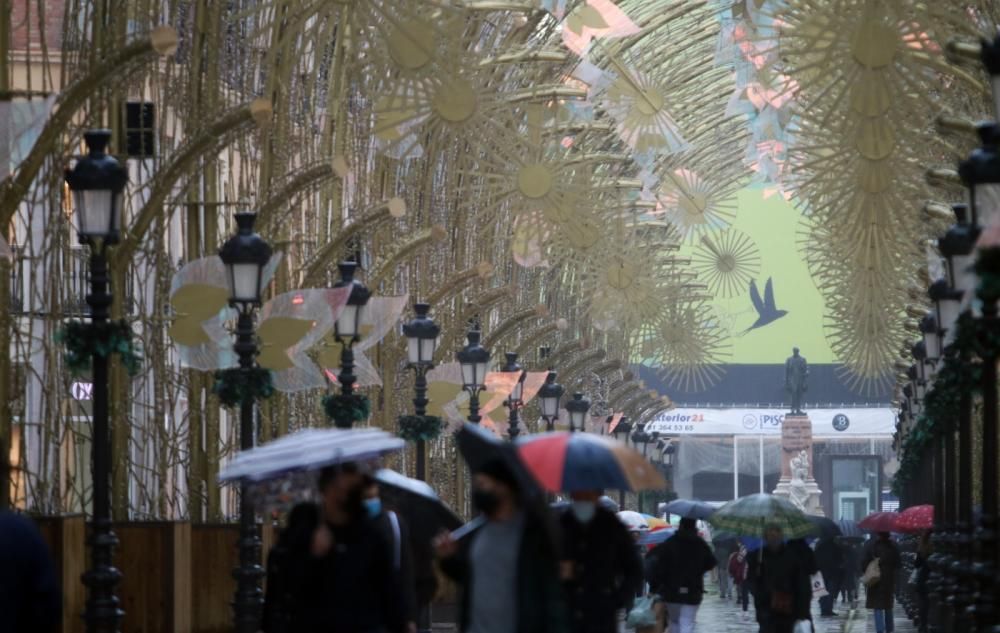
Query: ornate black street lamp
(245, 255)
(347, 330)
(641, 437)
(548, 398)
(475, 361)
(516, 399)
(621, 433)
(577, 408)
(422, 338)
(97, 182)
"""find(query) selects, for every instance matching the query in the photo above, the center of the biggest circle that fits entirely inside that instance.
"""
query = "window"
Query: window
(140, 123)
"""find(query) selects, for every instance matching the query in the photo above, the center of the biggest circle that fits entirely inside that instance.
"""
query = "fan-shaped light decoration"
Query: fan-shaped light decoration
(867, 71)
(694, 205)
(727, 262)
(595, 19)
(688, 346)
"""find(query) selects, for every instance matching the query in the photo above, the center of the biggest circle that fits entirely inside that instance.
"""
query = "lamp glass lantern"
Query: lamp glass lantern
(512, 366)
(245, 255)
(980, 173)
(932, 338)
(549, 396)
(474, 360)
(348, 325)
(422, 336)
(948, 303)
(97, 182)
(577, 408)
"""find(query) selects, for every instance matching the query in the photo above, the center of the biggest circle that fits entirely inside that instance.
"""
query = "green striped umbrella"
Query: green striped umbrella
(748, 516)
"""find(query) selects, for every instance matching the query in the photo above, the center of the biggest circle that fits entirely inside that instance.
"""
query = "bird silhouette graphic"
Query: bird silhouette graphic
(767, 312)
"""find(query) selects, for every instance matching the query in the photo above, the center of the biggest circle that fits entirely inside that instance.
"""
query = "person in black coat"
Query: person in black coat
(782, 588)
(395, 532)
(334, 571)
(29, 592)
(830, 558)
(678, 574)
(601, 570)
(507, 568)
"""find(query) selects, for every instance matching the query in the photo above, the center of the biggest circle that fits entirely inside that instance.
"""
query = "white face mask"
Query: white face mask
(584, 511)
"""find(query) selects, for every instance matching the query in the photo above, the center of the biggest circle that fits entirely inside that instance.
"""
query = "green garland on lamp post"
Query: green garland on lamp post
(82, 341)
(344, 410)
(234, 385)
(420, 428)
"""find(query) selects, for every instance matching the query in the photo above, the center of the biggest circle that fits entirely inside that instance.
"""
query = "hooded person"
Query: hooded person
(333, 569)
(601, 569)
(678, 574)
(508, 567)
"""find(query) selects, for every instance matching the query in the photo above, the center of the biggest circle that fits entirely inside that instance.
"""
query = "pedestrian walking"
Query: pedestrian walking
(508, 567)
(334, 569)
(830, 557)
(723, 551)
(738, 567)
(677, 574)
(782, 589)
(601, 570)
(852, 564)
(29, 593)
(880, 593)
(395, 532)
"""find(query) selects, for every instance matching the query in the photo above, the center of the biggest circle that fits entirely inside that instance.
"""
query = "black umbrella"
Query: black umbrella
(824, 527)
(480, 447)
(417, 502)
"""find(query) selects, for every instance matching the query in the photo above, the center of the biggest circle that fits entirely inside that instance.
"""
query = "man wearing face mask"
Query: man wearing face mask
(677, 574)
(507, 568)
(395, 532)
(601, 569)
(342, 578)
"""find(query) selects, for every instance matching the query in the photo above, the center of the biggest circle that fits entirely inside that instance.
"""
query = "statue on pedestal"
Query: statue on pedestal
(798, 490)
(796, 374)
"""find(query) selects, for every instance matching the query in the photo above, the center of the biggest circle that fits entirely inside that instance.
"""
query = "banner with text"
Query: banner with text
(825, 422)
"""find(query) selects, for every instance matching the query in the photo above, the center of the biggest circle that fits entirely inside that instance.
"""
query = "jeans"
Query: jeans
(883, 621)
(744, 593)
(681, 617)
(724, 585)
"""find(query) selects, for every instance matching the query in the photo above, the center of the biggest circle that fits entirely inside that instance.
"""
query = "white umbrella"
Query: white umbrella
(310, 449)
(634, 521)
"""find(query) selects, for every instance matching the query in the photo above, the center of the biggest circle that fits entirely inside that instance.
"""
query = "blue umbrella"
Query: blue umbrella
(850, 529)
(690, 509)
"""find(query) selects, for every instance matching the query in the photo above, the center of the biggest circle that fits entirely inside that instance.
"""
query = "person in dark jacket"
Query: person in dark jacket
(507, 568)
(880, 596)
(601, 570)
(780, 579)
(852, 562)
(830, 558)
(678, 574)
(29, 592)
(395, 532)
(341, 576)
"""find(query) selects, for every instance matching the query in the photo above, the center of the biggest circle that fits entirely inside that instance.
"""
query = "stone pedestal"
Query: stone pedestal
(797, 483)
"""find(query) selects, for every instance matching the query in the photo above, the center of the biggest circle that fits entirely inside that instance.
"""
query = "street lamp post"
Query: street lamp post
(347, 329)
(422, 338)
(621, 433)
(245, 255)
(475, 361)
(577, 408)
(97, 182)
(640, 436)
(548, 397)
(516, 400)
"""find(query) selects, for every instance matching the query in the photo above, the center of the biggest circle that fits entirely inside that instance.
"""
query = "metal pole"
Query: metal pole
(760, 461)
(102, 614)
(736, 467)
(513, 419)
(962, 578)
(420, 408)
(248, 599)
(984, 607)
(346, 378)
(474, 416)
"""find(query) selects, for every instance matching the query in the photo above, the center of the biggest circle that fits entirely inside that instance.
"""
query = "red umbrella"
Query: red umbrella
(879, 522)
(915, 519)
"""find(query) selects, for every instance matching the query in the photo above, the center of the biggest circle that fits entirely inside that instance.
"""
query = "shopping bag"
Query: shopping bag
(818, 586)
(642, 613)
(803, 626)
(873, 573)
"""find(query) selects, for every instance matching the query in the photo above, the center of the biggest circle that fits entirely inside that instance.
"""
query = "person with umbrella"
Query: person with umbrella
(394, 530)
(782, 587)
(335, 570)
(601, 570)
(677, 574)
(880, 594)
(507, 567)
(738, 567)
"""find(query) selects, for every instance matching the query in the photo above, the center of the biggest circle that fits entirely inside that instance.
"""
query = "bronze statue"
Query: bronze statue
(796, 373)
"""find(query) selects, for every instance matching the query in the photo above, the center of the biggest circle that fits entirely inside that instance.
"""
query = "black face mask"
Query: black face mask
(486, 501)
